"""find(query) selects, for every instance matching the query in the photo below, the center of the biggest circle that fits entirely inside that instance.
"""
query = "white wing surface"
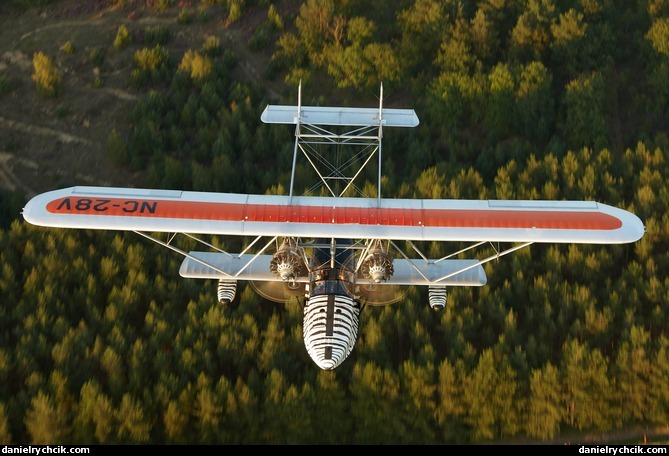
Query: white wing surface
(167, 211)
(316, 115)
(256, 267)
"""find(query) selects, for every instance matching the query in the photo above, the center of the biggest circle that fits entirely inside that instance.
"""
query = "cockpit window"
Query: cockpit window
(337, 287)
(331, 281)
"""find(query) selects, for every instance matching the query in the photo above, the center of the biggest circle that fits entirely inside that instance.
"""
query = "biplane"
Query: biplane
(331, 248)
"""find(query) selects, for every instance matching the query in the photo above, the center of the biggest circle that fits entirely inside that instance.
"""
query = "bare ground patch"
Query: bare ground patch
(65, 139)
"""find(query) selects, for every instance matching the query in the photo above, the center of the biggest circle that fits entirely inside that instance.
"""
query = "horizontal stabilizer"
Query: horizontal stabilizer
(215, 265)
(352, 117)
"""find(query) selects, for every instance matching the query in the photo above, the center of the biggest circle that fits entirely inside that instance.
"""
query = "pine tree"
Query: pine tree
(132, 424)
(45, 423)
(544, 413)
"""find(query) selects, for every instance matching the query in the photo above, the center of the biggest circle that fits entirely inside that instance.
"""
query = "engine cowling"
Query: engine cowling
(377, 267)
(286, 264)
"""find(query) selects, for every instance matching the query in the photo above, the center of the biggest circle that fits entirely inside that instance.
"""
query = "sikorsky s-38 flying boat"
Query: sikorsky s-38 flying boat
(335, 253)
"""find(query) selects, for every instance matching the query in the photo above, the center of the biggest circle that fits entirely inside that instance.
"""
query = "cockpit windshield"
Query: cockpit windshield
(331, 281)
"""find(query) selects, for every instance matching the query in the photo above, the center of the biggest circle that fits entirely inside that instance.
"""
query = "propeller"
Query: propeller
(287, 265)
(377, 268)
(277, 291)
(381, 294)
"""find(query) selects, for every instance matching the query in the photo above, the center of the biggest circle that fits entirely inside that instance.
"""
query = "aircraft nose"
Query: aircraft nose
(330, 329)
(325, 364)
(328, 352)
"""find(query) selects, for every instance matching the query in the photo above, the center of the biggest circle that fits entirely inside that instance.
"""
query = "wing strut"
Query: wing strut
(181, 252)
(297, 135)
(485, 260)
(413, 265)
(256, 255)
(211, 246)
(321, 130)
(473, 246)
(378, 187)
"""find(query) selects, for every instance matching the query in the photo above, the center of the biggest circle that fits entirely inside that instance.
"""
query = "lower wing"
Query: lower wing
(216, 265)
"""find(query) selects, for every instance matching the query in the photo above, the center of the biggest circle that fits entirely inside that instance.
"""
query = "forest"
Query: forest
(102, 342)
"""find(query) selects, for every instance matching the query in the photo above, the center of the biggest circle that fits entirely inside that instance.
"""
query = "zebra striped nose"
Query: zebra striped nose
(330, 329)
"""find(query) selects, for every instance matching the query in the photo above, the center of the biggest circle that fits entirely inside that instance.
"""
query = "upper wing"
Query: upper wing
(171, 211)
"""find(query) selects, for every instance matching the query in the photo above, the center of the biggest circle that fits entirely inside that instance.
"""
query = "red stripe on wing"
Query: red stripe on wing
(453, 218)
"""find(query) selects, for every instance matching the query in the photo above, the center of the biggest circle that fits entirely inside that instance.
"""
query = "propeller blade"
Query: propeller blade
(280, 292)
(382, 294)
